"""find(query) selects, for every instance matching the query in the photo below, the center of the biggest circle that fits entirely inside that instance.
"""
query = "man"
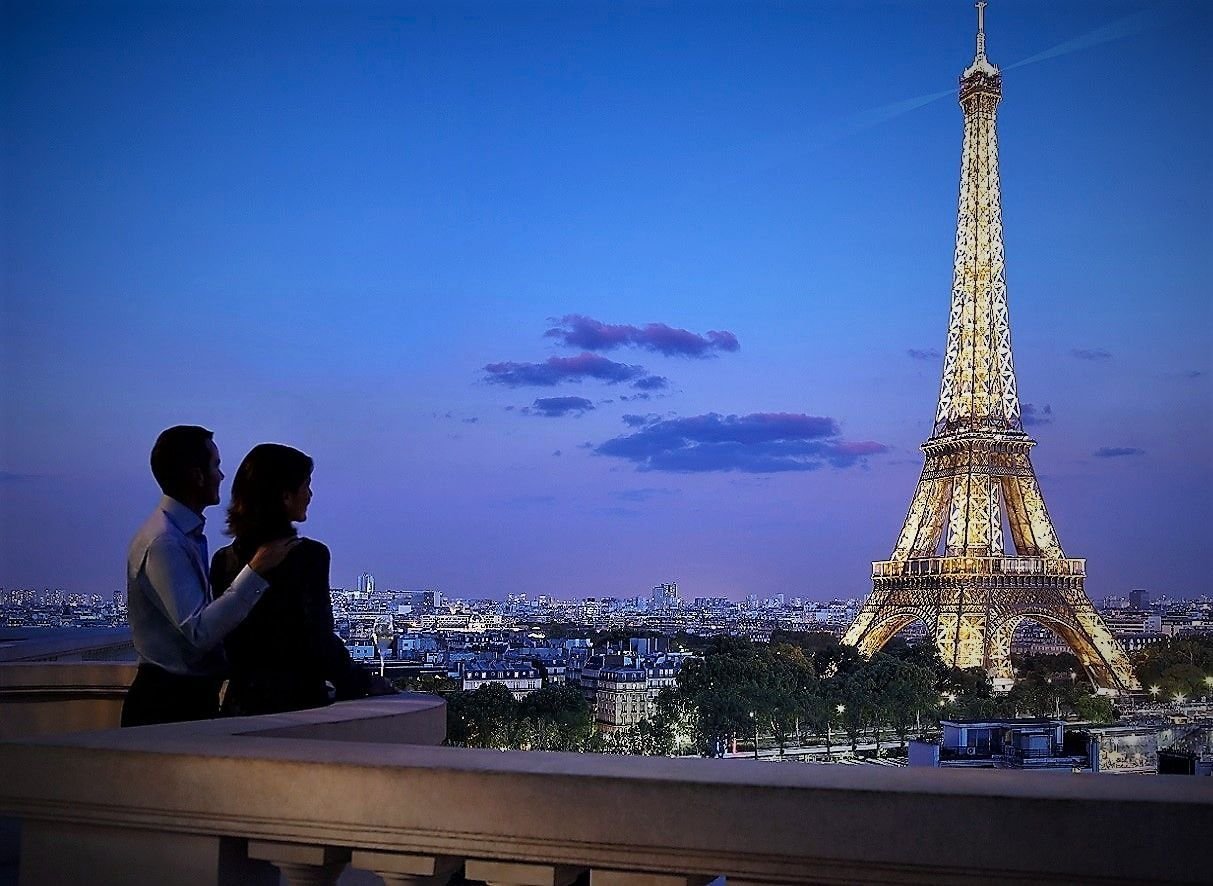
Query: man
(177, 624)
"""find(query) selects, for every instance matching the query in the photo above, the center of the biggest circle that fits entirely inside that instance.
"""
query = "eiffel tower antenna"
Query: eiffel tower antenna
(973, 593)
(981, 29)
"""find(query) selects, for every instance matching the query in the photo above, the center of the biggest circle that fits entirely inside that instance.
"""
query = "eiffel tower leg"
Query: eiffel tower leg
(1105, 658)
(998, 654)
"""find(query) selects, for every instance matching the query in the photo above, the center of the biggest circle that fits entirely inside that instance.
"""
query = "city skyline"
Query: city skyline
(594, 298)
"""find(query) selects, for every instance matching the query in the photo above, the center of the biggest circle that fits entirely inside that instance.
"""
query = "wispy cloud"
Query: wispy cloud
(651, 383)
(557, 407)
(555, 370)
(617, 512)
(1032, 416)
(14, 477)
(1127, 26)
(923, 353)
(646, 493)
(577, 330)
(760, 443)
(529, 501)
(1091, 354)
(1117, 451)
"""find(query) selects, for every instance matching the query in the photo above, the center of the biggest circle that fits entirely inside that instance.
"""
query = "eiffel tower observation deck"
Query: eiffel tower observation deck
(950, 567)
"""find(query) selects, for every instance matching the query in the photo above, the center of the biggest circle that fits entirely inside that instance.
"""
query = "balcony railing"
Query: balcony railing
(978, 566)
(365, 784)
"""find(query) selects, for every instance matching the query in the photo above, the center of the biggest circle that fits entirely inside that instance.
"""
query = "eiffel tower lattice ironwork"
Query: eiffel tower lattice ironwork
(973, 594)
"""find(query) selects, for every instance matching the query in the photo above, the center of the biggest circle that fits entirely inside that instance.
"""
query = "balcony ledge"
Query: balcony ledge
(366, 777)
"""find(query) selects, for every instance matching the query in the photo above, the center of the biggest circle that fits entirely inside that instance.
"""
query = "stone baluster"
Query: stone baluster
(302, 864)
(639, 878)
(403, 869)
(513, 873)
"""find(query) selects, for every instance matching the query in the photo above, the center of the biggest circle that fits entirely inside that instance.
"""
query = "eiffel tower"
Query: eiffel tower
(972, 594)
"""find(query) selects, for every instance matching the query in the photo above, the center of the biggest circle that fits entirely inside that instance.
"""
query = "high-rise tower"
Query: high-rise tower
(950, 568)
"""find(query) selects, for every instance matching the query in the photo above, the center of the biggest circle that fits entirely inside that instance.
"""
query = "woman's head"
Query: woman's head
(271, 490)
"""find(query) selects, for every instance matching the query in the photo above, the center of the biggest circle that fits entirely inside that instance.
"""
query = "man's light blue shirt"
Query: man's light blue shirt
(175, 623)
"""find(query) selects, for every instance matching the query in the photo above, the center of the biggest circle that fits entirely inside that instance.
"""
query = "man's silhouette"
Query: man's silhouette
(177, 624)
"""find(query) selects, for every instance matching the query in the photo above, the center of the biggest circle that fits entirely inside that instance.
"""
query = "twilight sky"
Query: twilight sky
(575, 298)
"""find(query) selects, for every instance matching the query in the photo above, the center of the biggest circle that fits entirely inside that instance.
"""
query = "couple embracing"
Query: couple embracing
(257, 614)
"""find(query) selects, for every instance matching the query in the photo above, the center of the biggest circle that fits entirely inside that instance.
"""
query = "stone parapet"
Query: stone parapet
(39, 698)
(364, 783)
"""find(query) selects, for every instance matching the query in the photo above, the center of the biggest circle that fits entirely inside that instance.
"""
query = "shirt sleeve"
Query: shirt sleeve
(179, 589)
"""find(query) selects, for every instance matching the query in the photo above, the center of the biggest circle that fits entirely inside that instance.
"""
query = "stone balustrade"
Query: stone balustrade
(365, 785)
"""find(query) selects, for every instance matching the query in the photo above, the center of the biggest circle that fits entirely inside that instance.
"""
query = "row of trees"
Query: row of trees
(808, 688)
(554, 718)
(1180, 667)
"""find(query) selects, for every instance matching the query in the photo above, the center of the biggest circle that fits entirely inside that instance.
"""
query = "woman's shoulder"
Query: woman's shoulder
(310, 551)
(226, 557)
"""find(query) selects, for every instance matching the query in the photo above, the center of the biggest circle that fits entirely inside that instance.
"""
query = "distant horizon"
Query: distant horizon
(1155, 597)
(587, 297)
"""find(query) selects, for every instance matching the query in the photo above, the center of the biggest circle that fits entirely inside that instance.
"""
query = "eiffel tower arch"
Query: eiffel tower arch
(950, 567)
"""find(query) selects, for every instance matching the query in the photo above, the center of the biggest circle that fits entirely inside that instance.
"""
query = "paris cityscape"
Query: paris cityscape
(681, 568)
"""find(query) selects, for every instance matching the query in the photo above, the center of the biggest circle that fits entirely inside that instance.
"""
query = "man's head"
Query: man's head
(185, 462)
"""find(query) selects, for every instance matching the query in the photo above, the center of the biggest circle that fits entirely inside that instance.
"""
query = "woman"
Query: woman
(285, 651)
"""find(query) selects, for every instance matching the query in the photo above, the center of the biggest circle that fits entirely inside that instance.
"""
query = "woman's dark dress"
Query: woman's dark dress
(281, 655)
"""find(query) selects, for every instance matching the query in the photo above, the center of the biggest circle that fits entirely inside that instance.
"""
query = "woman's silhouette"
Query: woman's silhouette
(284, 656)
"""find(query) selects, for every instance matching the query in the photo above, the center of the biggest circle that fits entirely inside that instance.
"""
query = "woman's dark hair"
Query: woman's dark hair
(256, 513)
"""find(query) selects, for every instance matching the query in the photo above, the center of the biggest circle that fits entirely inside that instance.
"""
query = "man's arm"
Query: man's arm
(176, 583)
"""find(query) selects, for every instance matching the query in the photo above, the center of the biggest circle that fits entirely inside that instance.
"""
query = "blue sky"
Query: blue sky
(320, 224)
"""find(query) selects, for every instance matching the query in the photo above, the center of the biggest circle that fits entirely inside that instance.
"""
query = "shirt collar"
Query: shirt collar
(185, 519)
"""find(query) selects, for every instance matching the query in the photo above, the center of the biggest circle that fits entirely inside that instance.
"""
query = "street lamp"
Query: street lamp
(754, 719)
(830, 733)
(375, 643)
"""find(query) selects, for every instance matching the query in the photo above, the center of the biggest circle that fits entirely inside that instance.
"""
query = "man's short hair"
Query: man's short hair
(178, 452)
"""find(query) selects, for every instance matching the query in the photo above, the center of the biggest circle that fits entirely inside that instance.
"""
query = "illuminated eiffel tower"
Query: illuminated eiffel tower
(972, 594)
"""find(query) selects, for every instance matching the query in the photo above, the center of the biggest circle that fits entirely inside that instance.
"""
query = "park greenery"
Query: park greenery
(808, 689)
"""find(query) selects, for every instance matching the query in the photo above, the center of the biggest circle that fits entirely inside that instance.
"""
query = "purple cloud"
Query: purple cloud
(1117, 451)
(636, 421)
(1091, 354)
(760, 443)
(577, 330)
(1032, 416)
(557, 407)
(923, 354)
(555, 370)
(651, 383)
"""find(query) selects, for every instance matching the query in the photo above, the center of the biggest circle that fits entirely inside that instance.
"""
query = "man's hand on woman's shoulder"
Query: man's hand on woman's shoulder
(271, 554)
